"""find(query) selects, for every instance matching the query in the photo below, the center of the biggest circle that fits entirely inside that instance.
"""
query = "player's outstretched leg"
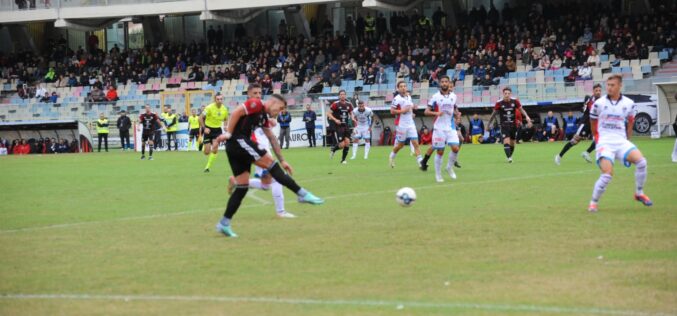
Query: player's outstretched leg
(284, 179)
(586, 153)
(355, 147)
(367, 146)
(278, 199)
(636, 158)
(239, 192)
(424, 161)
(567, 146)
(438, 166)
(143, 150)
(602, 182)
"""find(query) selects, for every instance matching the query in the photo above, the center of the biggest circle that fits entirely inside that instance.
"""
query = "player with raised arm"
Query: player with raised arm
(341, 116)
(363, 115)
(262, 179)
(507, 110)
(242, 152)
(212, 119)
(583, 130)
(403, 109)
(442, 105)
(611, 121)
(149, 123)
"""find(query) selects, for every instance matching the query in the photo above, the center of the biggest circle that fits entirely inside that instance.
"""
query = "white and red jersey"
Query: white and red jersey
(612, 118)
(445, 103)
(404, 120)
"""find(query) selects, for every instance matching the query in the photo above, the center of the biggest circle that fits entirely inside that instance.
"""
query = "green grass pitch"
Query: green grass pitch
(110, 234)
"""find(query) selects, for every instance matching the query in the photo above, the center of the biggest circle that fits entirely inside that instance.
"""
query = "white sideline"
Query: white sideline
(337, 302)
(261, 200)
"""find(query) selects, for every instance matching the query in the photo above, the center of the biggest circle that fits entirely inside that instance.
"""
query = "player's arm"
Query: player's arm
(429, 110)
(630, 122)
(493, 116)
(331, 114)
(524, 113)
(201, 120)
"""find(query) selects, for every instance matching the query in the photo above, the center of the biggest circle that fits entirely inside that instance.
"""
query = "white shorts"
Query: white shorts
(362, 133)
(615, 150)
(258, 171)
(406, 133)
(442, 138)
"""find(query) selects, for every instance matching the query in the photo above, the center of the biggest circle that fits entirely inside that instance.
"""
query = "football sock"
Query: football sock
(566, 148)
(452, 159)
(640, 176)
(278, 196)
(438, 164)
(425, 159)
(674, 152)
(210, 160)
(284, 179)
(591, 148)
(419, 159)
(143, 149)
(512, 150)
(335, 148)
(345, 153)
(392, 155)
(355, 146)
(199, 146)
(600, 186)
(258, 184)
(234, 201)
(507, 150)
(411, 146)
(367, 146)
(150, 151)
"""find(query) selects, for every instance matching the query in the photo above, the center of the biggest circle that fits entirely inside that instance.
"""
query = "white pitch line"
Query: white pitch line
(8, 231)
(254, 197)
(338, 302)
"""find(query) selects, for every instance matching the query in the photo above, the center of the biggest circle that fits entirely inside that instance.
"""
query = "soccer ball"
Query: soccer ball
(405, 196)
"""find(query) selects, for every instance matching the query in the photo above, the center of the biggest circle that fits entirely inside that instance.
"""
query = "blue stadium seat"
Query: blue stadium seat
(326, 90)
(615, 70)
(663, 55)
(646, 69)
(603, 58)
(626, 70)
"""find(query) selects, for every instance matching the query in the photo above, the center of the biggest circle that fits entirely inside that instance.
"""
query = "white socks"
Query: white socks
(419, 158)
(438, 164)
(367, 146)
(392, 155)
(411, 146)
(256, 183)
(452, 159)
(355, 146)
(640, 176)
(278, 196)
(600, 186)
(674, 152)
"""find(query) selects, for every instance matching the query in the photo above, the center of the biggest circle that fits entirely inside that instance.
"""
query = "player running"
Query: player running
(212, 119)
(508, 109)
(150, 122)
(442, 105)
(403, 109)
(363, 115)
(341, 115)
(262, 179)
(583, 128)
(194, 129)
(611, 121)
(242, 152)
(446, 87)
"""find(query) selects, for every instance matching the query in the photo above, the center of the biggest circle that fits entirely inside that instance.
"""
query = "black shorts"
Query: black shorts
(509, 130)
(583, 131)
(342, 132)
(213, 134)
(242, 152)
(147, 136)
(194, 133)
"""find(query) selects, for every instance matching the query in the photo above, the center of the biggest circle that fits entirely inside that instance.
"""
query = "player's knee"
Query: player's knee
(641, 163)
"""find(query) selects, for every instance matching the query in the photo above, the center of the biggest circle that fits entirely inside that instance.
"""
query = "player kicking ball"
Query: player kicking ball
(611, 120)
(362, 115)
(583, 128)
(242, 152)
(442, 106)
(262, 179)
(507, 110)
(403, 109)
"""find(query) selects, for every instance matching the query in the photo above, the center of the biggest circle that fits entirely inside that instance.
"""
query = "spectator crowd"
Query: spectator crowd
(38, 146)
(417, 48)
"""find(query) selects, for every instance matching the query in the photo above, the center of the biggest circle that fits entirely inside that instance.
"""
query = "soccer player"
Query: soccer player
(508, 109)
(212, 119)
(242, 152)
(403, 109)
(363, 117)
(150, 122)
(262, 179)
(194, 129)
(611, 120)
(341, 115)
(583, 128)
(442, 105)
